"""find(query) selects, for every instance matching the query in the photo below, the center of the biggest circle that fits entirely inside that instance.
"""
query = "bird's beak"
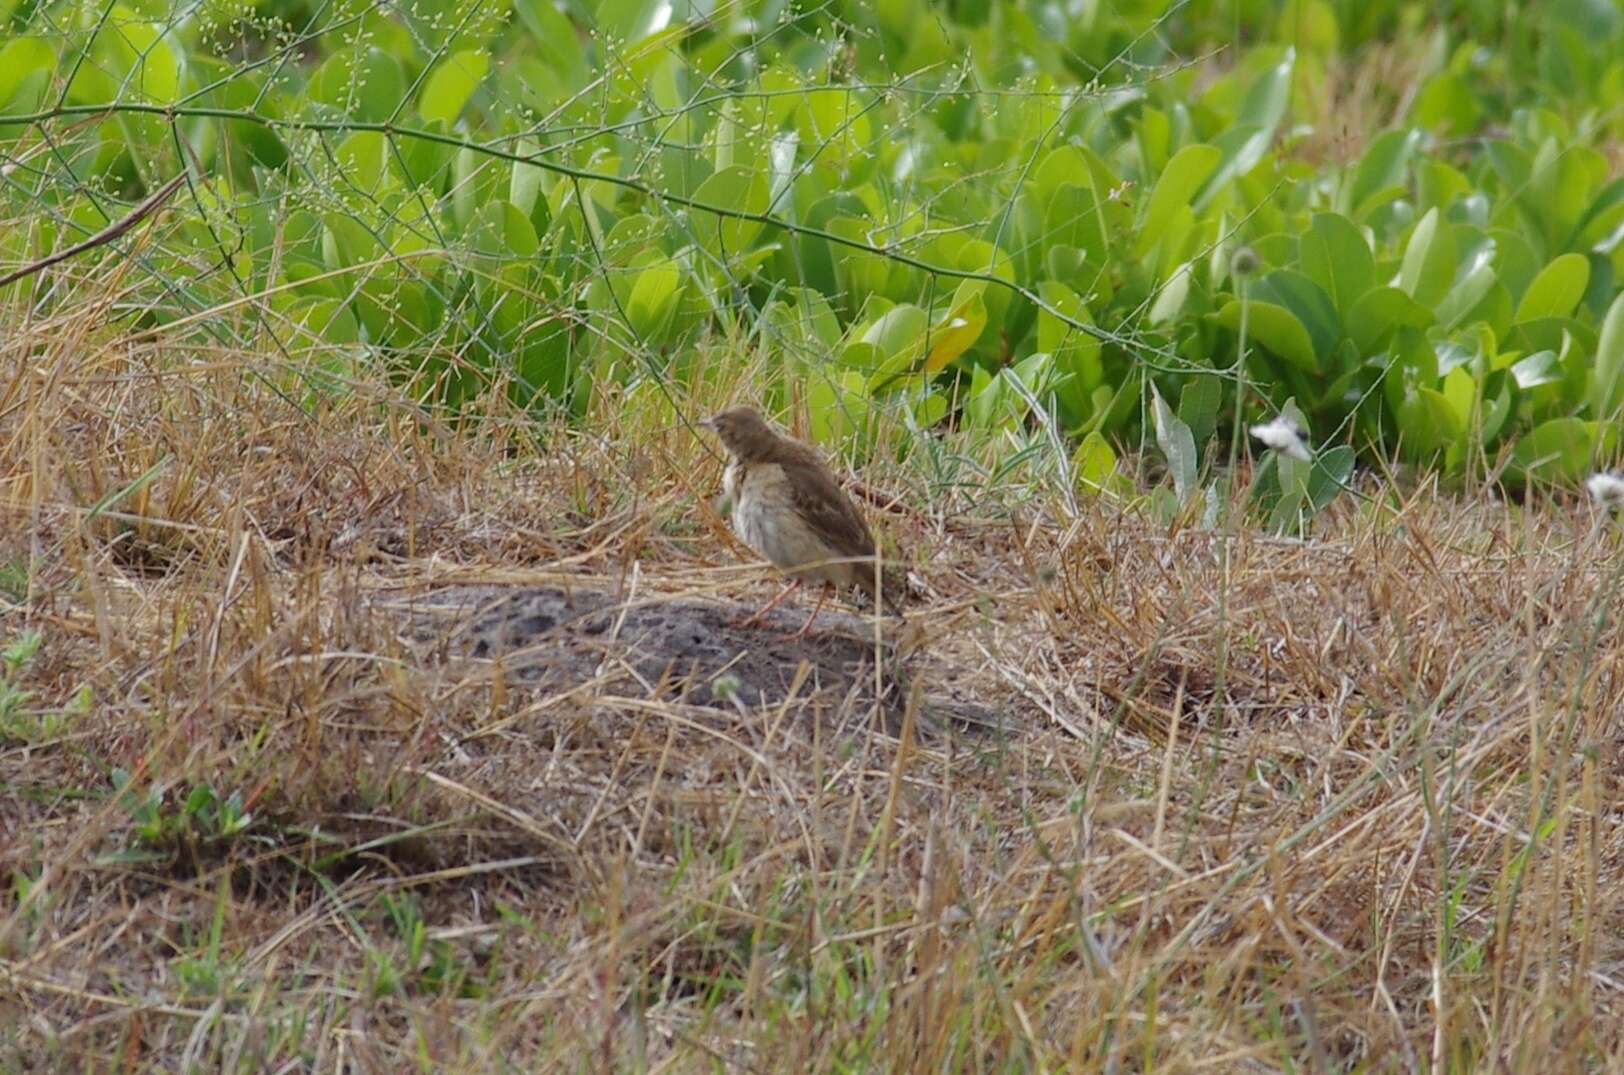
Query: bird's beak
(707, 423)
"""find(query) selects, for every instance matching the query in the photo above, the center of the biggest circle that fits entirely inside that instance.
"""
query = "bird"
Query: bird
(787, 507)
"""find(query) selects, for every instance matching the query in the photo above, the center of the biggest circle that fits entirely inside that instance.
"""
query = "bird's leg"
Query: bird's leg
(756, 616)
(823, 599)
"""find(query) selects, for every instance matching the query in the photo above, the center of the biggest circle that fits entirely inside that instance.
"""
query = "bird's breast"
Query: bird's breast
(766, 518)
(732, 480)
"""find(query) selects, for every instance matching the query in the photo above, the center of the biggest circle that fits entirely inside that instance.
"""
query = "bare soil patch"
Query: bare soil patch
(564, 640)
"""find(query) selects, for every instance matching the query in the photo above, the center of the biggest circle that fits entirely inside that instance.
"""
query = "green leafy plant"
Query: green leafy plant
(472, 202)
(18, 720)
(162, 827)
(422, 963)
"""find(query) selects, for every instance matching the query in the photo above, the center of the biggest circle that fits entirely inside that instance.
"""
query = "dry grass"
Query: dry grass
(1344, 804)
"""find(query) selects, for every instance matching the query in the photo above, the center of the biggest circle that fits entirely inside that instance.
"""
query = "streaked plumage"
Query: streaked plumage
(788, 507)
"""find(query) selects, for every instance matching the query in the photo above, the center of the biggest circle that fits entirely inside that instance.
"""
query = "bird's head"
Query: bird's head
(742, 431)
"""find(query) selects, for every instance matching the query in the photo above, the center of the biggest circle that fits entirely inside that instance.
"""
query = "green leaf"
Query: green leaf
(1381, 310)
(542, 365)
(1095, 464)
(1276, 328)
(500, 230)
(364, 84)
(128, 53)
(1330, 475)
(1309, 303)
(524, 186)
(448, 88)
(1562, 449)
(1539, 368)
(1178, 183)
(324, 321)
(1198, 405)
(554, 37)
(959, 328)
(835, 127)
(1447, 104)
(992, 403)
(627, 21)
(1460, 389)
(1335, 256)
(898, 331)
(1071, 218)
(741, 188)
(1173, 437)
(1499, 395)
(1266, 101)
(1467, 292)
(155, 64)
(1385, 165)
(1429, 261)
(1428, 422)
(802, 323)
(653, 300)
(477, 179)
(781, 166)
(1607, 381)
(837, 404)
(1170, 300)
(1239, 151)
(346, 241)
(1076, 352)
(19, 58)
(862, 356)
(1557, 289)
(364, 159)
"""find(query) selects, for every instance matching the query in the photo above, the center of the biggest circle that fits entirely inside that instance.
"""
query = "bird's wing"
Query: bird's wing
(828, 511)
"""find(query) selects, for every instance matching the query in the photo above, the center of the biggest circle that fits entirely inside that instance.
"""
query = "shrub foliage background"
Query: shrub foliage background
(959, 211)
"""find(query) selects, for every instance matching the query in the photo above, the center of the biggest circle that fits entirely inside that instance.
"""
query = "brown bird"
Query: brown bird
(787, 507)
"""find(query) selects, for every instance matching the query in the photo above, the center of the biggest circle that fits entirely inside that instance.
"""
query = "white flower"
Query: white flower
(1607, 487)
(1283, 435)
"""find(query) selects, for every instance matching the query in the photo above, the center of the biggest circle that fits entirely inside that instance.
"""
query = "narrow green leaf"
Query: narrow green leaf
(1173, 437)
(1178, 183)
(1385, 164)
(653, 300)
(1198, 405)
(1332, 470)
(1465, 295)
(525, 184)
(1607, 381)
(1429, 261)
(1170, 299)
(139, 483)
(1268, 97)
